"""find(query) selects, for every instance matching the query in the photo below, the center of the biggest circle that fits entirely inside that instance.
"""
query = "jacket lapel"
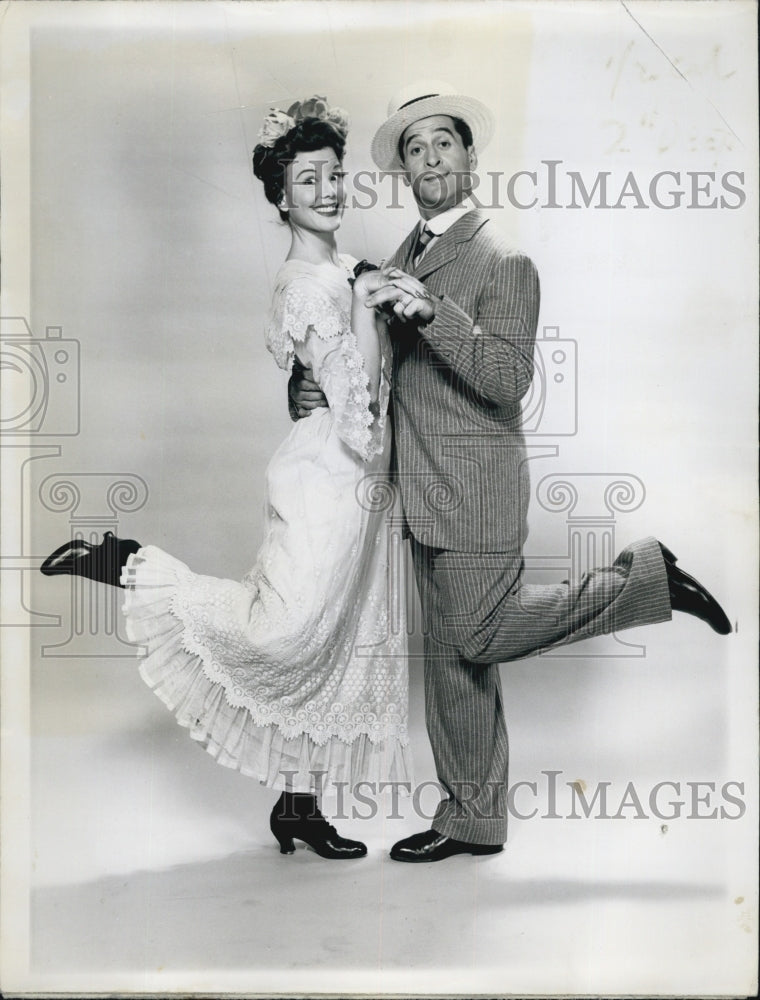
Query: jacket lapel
(401, 257)
(443, 250)
(446, 247)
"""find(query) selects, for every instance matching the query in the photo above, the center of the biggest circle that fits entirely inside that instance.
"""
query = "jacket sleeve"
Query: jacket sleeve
(492, 351)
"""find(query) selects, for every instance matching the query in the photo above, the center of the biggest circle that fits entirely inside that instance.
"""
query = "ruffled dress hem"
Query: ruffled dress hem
(186, 684)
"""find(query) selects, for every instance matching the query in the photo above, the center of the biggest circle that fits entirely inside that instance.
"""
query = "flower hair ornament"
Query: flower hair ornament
(277, 123)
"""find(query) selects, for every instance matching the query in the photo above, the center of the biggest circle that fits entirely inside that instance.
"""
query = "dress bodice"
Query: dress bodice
(311, 320)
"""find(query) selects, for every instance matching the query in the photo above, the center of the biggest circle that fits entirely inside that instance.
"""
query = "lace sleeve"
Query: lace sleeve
(307, 321)
(298, 309)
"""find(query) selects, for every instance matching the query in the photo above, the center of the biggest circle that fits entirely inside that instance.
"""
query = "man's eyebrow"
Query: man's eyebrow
(438, 128)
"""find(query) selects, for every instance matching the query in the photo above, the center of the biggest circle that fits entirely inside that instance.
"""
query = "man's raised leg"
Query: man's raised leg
(492, 616)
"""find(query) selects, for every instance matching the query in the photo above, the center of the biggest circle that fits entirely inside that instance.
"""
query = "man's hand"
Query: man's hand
(304, 395)
(407, 296)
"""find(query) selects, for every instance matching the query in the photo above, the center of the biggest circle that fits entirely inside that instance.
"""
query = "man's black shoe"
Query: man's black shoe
(432, 846)
(689, 596)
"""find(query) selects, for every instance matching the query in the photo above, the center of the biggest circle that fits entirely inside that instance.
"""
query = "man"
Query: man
(465, 315)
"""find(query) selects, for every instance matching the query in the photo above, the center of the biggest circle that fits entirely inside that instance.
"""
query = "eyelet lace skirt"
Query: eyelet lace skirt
(296, 675)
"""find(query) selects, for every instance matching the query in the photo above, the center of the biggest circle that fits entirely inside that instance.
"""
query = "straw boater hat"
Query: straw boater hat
(420, 100)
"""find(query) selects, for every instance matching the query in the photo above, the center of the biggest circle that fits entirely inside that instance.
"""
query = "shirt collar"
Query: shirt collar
(440, 223)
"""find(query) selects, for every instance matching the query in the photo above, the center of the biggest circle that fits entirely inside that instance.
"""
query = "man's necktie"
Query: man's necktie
(426, 235)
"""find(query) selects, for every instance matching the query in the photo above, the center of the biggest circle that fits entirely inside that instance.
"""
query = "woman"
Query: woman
(297, 675)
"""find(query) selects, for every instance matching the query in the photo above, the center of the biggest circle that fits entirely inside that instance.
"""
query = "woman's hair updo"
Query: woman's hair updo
(281, 144)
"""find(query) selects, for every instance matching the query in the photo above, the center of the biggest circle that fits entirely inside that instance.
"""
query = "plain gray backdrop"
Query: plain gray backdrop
(152, 245)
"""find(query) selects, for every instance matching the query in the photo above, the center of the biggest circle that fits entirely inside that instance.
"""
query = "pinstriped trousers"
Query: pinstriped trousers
(478, 612)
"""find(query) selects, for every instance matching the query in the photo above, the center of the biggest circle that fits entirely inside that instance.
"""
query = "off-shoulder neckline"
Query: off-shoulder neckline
(346, 260)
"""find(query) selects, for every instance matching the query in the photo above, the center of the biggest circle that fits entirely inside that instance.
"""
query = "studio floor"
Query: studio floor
(153, 869)
(553, 913)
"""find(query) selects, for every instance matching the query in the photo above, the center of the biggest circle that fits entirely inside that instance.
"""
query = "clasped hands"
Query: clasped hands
(390, 289)
(387, 289)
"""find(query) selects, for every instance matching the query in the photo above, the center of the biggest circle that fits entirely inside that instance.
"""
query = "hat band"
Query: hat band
(415, 99)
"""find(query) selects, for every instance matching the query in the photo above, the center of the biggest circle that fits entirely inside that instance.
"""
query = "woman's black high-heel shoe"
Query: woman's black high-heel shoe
(296, 815)
(102, 563)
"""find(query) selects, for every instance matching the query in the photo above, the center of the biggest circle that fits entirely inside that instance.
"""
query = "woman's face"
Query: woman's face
(313, 194)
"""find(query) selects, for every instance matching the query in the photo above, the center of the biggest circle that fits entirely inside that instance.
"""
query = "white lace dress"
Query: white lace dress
(300, 669)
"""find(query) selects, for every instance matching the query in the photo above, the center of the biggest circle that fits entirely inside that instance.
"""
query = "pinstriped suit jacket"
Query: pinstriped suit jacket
(458, 382)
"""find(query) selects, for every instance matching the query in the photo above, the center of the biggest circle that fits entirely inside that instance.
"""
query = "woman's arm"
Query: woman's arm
(308, 324)
(368, 327)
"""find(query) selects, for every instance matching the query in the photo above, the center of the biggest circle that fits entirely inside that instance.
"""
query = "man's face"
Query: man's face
(436, 164)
